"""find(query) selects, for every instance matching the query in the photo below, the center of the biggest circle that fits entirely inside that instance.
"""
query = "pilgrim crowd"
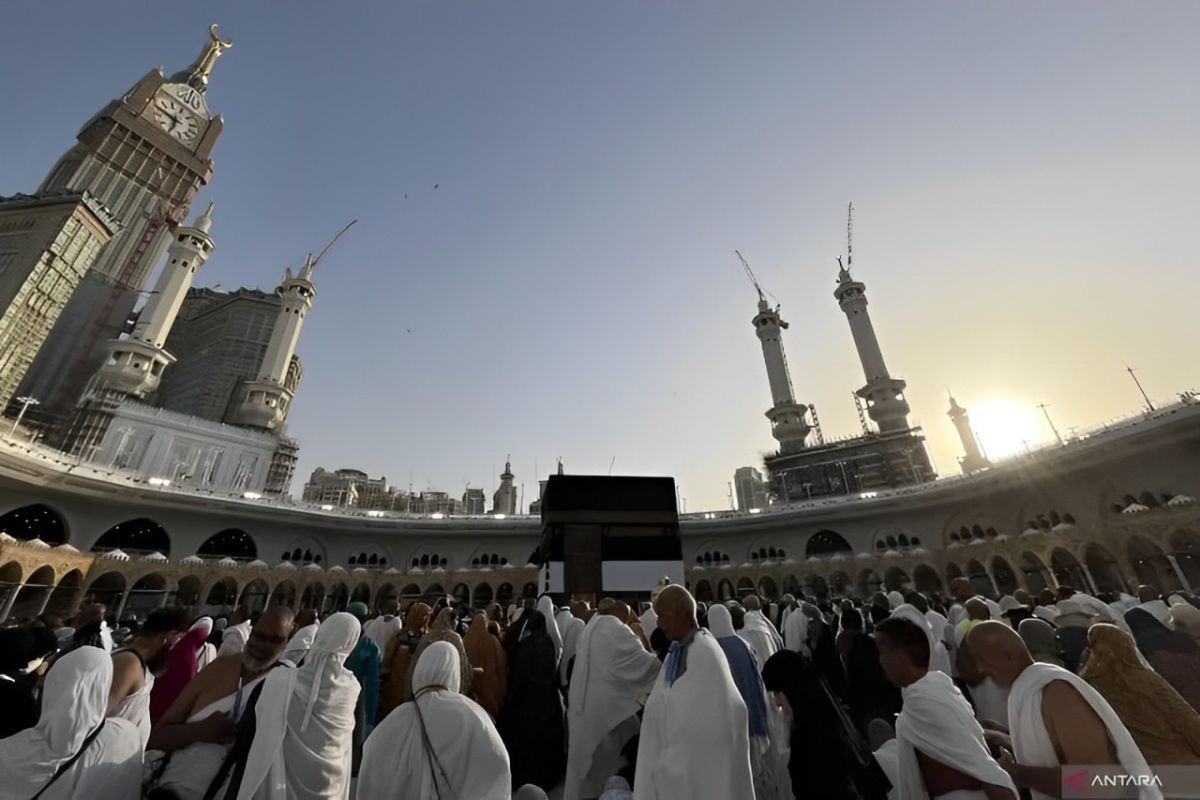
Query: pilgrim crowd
(900, 695)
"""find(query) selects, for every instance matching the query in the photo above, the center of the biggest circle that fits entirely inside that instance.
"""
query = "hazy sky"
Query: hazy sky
(1024, 175)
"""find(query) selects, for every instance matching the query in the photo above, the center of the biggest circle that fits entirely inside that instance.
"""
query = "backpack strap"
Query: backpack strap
(70, 762)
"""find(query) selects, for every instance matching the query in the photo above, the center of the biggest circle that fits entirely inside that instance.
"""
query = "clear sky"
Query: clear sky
(1024, 175)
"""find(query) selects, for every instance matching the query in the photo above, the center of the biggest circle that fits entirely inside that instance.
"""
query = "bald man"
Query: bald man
(197, 729)
(695, 741)
(1056, 718)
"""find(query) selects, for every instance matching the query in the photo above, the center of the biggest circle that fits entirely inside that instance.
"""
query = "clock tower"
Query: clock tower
(144, 156)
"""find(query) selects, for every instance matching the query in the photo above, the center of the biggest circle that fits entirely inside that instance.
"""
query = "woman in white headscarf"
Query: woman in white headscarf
(304, 722)
(546, 606)
(440, 746)
(73, 751)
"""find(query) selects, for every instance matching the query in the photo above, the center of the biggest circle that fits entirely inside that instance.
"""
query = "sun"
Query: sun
(1004, 427)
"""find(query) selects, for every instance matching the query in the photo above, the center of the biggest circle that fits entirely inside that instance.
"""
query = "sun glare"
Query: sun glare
(1004, 427)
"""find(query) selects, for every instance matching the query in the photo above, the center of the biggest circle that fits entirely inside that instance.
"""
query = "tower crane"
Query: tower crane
(757, 286)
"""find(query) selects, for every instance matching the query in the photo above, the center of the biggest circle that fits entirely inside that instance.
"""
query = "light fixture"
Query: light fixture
(437, 515)
(252, 495)
(327, 507)
(158, 482)
(498, 516)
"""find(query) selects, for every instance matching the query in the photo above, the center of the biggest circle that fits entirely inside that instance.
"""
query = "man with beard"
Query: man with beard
(134, 666)
(197, 729)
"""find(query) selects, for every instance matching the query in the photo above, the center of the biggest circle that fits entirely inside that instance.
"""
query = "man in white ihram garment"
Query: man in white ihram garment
(135, 663)
(306, 630)
(197, 729)
(236, 634)
(758, 631)
(442, 745)
(304, 723)
(940, 747)
(612, 674)
(99, 759)
(546, 606)
(1055, 719)
(695, 737)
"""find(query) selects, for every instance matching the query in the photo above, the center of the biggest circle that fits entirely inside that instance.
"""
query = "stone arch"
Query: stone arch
(725, 590)
(435, 590)
(704, 592)
(361, 594)
(33, 593)
(384, 593)
(745, 586)
(35, 521)
(839, 582)
(953, 571)
(767, 588)
(791, 585)
(64, 599)
(410, 592)
(896, 579)
(304, 550)
(222, 593)
(1037, 576)
(826, 543)
(817, 585)
(981, 582)
(926, 580)
(868, 582)
(1185, 547)
(147, 593)
(1106, 574)
(108, 589)
(1151, 564)
(284, 594)
(338, 598)
(504, 593)
(461, 593)
(135, 536)
(529, 591)
(313, 596)
(254, 596)
(481, 595)
(1006, 579)
(229, 543)
(1067, 569)
(187, 593)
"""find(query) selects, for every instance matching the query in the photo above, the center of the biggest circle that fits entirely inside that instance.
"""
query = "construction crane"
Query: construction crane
(754, 280)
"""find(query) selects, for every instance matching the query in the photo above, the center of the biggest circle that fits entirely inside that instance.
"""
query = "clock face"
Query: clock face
(175, 119)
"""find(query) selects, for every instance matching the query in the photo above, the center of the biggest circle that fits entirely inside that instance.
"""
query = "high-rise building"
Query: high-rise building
(47, 245)
(144, 156)
(219, 340)
(474, 501)
(750, 488)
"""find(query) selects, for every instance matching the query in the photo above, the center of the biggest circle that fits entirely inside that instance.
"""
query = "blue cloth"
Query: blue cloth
(363, 661)
(749, 681)
(677, 657)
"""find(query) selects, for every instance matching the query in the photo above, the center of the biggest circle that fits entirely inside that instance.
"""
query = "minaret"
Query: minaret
(788, 422)
(265, 400)
(135, 364)
(973, 460)
(884, 394)
(504, 501)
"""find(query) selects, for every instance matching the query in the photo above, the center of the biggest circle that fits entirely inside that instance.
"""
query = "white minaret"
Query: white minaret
(135, 364)
(884, 394)
(973, 459)
(504, 501)
(265, 400)
(789, 424)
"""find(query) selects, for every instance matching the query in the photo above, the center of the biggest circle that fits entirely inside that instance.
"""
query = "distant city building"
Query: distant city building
(474, 501)
(750, 488)
(439, 503)
(504, 501)
(346, 488)
(47, 245)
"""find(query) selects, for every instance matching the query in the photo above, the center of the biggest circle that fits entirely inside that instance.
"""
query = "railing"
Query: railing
(1083, 438)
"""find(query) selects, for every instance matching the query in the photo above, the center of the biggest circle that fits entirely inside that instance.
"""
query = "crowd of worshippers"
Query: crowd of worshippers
(904, 695)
